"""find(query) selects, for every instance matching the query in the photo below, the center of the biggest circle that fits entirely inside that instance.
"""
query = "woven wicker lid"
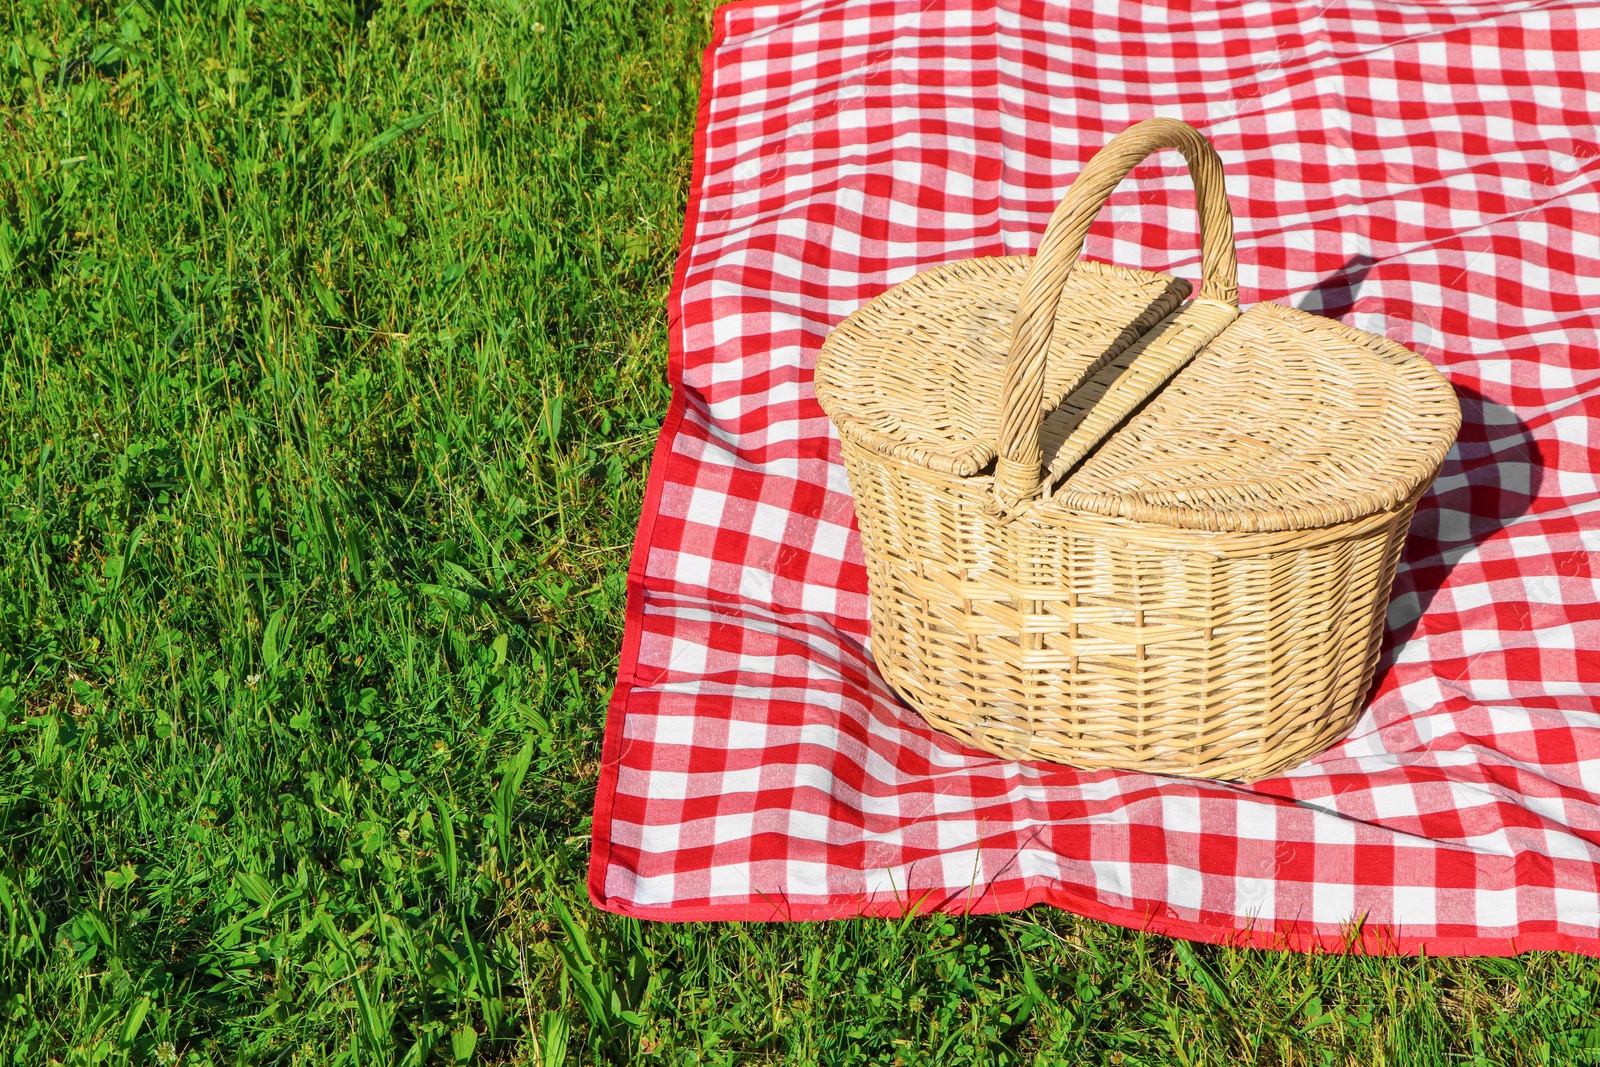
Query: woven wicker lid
(1286, 421)
(1024, 372)
(917, 372)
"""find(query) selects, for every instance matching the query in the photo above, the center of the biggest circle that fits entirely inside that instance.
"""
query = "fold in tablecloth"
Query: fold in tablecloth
(1428, 172)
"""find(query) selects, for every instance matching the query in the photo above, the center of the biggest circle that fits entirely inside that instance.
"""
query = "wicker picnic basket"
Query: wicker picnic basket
(1109, 528)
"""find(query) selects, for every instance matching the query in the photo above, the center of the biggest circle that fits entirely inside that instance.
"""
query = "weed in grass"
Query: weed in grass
(333, 343)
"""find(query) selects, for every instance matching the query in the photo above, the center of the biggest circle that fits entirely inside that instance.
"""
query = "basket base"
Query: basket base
(1004, 731)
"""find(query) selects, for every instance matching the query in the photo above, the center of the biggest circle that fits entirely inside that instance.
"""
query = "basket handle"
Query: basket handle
(1017, 476)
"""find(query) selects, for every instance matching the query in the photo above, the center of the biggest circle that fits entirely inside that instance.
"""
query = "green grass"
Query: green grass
(333, 350)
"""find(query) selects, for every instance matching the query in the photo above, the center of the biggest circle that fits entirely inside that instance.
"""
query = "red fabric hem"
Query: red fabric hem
(1293, 937)
(633, 619)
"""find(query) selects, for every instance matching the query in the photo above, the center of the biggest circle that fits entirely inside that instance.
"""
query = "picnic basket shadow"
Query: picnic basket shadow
(1111, 527)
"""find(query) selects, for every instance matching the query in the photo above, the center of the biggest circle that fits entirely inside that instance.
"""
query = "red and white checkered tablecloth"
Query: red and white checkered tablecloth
(1429, 172)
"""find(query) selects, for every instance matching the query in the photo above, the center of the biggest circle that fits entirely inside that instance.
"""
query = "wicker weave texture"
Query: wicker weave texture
(1106, 528)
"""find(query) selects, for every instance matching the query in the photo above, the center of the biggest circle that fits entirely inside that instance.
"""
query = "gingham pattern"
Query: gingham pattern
(1430, 172)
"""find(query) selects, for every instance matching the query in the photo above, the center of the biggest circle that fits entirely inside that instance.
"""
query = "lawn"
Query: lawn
(333, 353)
